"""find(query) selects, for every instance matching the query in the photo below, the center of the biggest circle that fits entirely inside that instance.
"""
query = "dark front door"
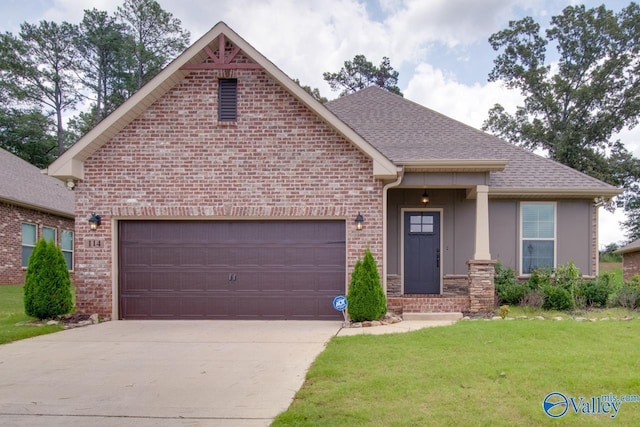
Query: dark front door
(230, 269)
(422, 252)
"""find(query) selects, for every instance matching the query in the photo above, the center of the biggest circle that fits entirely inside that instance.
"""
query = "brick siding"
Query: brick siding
(630, 265)
(278, 161)
(11, 219)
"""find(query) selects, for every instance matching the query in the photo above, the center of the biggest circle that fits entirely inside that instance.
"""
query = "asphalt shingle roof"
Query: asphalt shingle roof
(405, 131)
(23, 184)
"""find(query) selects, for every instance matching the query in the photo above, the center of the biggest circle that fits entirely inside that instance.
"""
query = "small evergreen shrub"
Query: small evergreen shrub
(557, 298)
(366, 300)
(511, 294)
(593, 293)
(507, 288)
(47, 286)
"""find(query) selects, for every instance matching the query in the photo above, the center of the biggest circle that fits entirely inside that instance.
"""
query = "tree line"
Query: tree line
(49, 69)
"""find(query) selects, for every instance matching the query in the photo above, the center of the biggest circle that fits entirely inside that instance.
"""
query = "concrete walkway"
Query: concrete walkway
(165, 373)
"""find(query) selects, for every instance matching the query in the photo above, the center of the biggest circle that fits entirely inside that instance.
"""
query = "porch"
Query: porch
(437, 253)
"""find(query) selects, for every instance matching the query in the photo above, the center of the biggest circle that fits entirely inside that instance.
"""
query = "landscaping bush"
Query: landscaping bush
(628, 296)
(47, 286)
(540, 278)
(511, 294)
(366, 300)
(533, 299)
(557, 298)
(594, 293)
(507, 289)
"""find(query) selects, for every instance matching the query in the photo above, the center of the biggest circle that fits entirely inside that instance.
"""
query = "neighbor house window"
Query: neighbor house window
(538, 235)
(49, 234)
(227, 100)
(66, 244)
(29, 237)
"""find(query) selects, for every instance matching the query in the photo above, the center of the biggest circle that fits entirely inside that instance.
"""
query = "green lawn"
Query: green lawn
(12, 312)
(473, 373)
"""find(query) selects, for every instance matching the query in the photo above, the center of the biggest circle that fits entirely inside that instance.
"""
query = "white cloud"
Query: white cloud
(430, 87)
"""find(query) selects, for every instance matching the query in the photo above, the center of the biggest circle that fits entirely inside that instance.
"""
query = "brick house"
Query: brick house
(32, 206)
(227, 191)
(630, 259)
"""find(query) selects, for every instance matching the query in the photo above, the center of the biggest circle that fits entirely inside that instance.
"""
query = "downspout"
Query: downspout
(384, 225)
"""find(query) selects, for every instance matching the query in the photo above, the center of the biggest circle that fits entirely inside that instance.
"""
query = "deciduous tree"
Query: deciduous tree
(575, 101)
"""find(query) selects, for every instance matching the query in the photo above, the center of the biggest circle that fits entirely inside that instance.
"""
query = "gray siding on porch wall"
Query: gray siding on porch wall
(574, 229)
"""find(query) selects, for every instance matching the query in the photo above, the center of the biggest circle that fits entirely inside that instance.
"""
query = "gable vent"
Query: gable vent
(228, 100)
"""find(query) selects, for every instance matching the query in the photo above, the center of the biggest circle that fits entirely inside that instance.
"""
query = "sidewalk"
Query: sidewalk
(404, 326)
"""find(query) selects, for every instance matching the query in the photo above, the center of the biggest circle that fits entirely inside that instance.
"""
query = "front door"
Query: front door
(422, 252)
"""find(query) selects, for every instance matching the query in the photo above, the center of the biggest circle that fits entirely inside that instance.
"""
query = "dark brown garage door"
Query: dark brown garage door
(230, 269)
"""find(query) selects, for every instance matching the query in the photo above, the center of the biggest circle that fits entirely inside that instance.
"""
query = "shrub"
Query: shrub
(594, 293)
(507, 289)
(47, 286)
(511, 294)
(557, 298)
(540, 278)
(533, 299)
(366, 300)
(628, 296)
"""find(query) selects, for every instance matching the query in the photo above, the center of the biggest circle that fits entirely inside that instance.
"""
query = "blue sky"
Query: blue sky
(439, 47)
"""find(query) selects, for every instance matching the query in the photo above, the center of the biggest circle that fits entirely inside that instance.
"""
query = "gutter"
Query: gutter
(384, 225)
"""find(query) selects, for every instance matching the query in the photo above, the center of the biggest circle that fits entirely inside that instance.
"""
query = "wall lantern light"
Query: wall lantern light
(95, 221)
(359, 221)
(425, 198)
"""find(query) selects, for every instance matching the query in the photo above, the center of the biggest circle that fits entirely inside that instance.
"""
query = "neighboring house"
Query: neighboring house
(630, 259)
(227, 191)
(32, 206)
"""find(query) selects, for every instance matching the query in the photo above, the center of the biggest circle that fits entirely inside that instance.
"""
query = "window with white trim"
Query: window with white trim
(538, 235)
(49, 234)
(66, 244)
(29, 238)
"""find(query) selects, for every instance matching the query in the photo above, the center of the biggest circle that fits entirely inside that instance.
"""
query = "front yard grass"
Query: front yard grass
(12, 313)
(473, 373)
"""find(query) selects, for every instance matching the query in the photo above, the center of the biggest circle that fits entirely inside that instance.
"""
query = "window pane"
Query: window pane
(29, 234)
(427, 219)
(415, 228)
(415, 219)
(49, 234)
(427, 228)
(68, 257)
(537, 221)
(536, 254)
(26, 253)
(67, 240)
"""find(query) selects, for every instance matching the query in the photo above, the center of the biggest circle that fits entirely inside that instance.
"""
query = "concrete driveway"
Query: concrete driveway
(159, 373)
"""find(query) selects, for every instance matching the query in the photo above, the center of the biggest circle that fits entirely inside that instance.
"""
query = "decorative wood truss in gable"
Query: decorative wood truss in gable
(222, 58)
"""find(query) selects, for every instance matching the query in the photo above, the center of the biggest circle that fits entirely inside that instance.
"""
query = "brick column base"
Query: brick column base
(481, 288)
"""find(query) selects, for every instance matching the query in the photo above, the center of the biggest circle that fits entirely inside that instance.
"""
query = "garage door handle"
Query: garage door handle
(232, 277)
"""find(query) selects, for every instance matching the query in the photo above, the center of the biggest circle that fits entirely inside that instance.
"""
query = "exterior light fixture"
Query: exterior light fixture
(71, 184)
(425, 198)
(359, 220)
(94, 221)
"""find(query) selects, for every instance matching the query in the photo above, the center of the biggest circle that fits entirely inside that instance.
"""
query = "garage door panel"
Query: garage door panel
(231, 269)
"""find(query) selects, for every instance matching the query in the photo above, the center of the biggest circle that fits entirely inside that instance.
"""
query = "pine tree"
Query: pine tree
(366, 300)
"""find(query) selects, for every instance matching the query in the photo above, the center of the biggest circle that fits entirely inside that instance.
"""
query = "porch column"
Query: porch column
(482, 224)
(481, 267)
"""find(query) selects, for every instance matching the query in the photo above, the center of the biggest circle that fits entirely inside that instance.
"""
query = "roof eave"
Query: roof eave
(38, 208)
(454, 165)
(576, 193)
